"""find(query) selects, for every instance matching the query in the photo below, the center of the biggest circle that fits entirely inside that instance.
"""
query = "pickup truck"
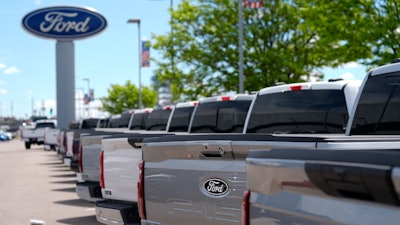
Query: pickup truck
(69, 139)
(203, 176)
(120, 158)
(36, 135)
(88, 185)
(354, 179)
(51, 139)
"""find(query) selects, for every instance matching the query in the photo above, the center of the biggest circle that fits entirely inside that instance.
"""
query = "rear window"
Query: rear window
(89, 123)
(158, 119)
(378, 109)
(220, 117)
(122, 121)
(306, 111)
(180, 119)
(45, 124)
(139, 121)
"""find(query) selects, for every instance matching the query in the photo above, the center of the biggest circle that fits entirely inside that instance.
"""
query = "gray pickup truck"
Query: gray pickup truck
(353, 179)
(203, 176)
(121, 157)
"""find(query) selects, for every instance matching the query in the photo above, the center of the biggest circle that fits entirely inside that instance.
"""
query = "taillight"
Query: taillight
(295, 87)
(246, 207)
(65, 141)
(140, 189)
(80, 163)
(102, 169)
(225, 98)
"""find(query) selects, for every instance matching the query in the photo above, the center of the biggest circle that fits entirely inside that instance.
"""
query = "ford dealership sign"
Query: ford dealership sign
(64, 22)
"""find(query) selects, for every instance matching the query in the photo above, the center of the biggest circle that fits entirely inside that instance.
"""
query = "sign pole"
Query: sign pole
(65, 70)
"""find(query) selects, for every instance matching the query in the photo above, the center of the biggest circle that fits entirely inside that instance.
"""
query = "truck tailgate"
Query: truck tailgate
(121, 157)
(201, 181)
(120, 162)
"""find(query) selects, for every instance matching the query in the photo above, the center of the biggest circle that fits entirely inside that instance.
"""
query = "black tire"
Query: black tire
(27, 145)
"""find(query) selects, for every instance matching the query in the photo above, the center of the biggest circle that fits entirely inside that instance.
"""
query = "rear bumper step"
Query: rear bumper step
(111, 212)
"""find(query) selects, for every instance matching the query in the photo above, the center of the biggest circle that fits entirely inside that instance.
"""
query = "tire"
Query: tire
(27, 145)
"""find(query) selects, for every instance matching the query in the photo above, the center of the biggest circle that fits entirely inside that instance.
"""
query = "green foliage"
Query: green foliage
(285, 41)
(123, 97)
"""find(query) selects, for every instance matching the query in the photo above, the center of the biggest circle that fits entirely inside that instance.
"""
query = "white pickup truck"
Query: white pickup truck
(51, 139)
(36, 135)
(354, 179)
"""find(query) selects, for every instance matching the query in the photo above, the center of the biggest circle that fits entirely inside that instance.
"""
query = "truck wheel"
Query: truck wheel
(27, 145)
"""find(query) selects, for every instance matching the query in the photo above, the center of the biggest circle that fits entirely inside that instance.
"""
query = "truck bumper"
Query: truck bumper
(67, 161)
(112, 212)
(89, 191)
(148, 222)
(74, 166)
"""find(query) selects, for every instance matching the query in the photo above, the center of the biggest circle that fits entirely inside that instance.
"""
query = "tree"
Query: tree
(285, 41)
(123, 97)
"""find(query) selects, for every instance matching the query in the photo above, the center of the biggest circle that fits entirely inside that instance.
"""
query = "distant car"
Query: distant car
(9, 135)
(3, 137)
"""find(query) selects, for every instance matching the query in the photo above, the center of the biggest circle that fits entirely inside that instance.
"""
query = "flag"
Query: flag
(145, 53)
(253, 4)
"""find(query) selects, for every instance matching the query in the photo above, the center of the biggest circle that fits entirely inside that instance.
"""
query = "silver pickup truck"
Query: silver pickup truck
(203, 176)
(121, 158)
(353, 179)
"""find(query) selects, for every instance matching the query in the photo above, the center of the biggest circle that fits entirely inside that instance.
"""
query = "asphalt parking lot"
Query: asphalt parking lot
(36, 188)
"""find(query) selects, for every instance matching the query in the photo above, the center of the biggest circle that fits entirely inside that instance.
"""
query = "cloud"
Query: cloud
(348, 76)
(2, 66)
(38, 2)
(11, 70)
(352, 65)
(3, 91)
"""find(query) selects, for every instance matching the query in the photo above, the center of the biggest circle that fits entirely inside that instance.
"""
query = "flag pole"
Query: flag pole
(240, 47)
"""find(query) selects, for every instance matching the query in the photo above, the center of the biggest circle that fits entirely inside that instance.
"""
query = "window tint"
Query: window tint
(180, 119)
(158, 119)
(89, 123)
(139, 121)
(102, 123)
(45, 124)
(307, 111)
(378, 109)
(220, 117)
(121, 121)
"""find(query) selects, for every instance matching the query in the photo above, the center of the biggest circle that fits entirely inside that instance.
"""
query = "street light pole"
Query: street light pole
(88, 84)
(240, 46)
(137, 21)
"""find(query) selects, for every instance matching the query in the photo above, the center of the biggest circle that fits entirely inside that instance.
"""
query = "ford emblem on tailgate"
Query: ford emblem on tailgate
(215, 186)
(64, 22)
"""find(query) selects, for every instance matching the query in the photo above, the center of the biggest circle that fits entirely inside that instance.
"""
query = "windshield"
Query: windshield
(306, 111)
(378, 109)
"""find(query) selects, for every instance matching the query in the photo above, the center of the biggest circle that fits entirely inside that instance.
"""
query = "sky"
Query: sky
(27, 62)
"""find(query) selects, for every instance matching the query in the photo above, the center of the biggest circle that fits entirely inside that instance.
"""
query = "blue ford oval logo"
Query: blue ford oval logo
(215, 186)
(64, 23)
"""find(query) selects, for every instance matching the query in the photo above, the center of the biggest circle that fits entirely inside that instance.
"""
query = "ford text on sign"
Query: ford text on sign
(64, 23)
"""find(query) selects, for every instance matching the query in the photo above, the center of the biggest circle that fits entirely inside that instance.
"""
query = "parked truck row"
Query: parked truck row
(304, 153)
